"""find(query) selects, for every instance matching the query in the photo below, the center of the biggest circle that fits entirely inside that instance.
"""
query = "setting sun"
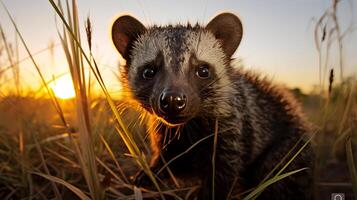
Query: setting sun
(63, 87)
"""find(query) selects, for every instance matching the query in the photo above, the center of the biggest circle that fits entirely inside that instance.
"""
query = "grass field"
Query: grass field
(86, 148)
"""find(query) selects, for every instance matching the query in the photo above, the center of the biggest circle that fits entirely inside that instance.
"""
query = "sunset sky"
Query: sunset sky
(278, 34)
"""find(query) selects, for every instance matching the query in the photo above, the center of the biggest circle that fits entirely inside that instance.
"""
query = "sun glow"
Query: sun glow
(63, 87)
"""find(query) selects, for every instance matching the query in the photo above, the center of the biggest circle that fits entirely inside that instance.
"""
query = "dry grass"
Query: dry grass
(85, 148)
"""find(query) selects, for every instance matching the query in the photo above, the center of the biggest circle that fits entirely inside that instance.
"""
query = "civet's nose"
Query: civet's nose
(172, 103)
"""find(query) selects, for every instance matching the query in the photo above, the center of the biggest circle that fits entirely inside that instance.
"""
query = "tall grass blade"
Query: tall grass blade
(269, 182)
(54, 186)
(122, 129)
(352, 167)
(286, 164)
(43, 81)
(137, 194)
(111, 153)
(75, 63)
(71, 187)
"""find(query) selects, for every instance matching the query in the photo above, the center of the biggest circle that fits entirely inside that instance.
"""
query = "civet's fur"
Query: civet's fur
(257, 123)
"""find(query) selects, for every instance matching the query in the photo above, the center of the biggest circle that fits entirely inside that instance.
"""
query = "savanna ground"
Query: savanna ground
(83, 148)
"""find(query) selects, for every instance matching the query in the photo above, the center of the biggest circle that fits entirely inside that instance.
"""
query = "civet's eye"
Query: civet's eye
(203, 71)
(149, 72)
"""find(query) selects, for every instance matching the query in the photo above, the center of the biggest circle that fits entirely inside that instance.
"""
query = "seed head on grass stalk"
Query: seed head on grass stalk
(330, 82)
(88, 25)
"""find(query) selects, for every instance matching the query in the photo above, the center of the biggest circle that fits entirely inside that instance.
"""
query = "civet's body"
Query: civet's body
(183, 76)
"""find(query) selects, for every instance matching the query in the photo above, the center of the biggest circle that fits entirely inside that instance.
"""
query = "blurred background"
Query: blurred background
(278, 35)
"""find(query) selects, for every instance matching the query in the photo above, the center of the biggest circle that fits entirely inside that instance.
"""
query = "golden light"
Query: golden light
(63, 87)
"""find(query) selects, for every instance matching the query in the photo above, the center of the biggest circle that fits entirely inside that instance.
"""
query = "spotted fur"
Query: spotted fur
(258, 123)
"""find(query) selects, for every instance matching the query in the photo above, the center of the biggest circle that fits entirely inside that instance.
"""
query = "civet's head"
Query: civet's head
(179, 72)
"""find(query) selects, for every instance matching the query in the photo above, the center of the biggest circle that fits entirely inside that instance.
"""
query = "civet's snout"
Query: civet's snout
(172, 103)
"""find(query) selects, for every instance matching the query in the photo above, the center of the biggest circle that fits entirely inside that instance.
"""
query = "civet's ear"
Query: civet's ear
(227, 28)
(125, 31)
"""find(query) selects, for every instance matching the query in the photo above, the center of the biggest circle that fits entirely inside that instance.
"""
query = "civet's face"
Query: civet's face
(178, 72)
